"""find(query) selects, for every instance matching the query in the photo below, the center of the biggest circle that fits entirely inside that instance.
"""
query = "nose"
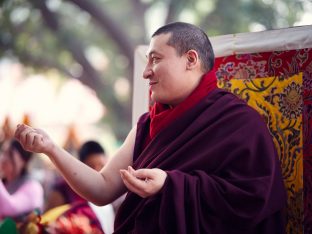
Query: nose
(148, 72)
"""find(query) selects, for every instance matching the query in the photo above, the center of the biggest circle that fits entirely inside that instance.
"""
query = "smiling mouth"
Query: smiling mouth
(152, 83)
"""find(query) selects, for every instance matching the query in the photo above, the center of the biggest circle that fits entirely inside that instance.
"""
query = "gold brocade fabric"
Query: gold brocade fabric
(278, 84)
(280, 103)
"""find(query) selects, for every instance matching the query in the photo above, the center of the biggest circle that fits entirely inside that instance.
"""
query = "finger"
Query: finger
(131, 170)
(27, 138)
(24, 133)
(37, 141)
(124, 178)
(133, 189)
(143, 174)
(30, 138)
(137, 174)
(134, 173)
(129, 185)
(132, 180)
(126, 175)
(19, 129)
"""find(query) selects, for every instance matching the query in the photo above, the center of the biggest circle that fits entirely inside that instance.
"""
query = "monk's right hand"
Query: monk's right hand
(33, 139)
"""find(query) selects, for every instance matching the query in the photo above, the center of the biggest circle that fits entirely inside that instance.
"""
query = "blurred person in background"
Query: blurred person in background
(60, 193)
(93, 155)
(20, 194)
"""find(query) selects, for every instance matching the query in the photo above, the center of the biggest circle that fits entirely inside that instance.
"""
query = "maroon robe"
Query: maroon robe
(223, 174)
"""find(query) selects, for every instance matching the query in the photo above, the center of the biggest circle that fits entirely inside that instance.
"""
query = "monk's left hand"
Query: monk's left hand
(144, 182)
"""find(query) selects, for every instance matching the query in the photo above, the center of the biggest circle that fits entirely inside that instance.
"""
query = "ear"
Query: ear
(192, 59)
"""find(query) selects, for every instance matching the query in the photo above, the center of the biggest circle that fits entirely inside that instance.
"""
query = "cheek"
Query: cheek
(6, 167)
(95, 163)
(170, 85)
(163, 93)
(98, 167)
(168, 82)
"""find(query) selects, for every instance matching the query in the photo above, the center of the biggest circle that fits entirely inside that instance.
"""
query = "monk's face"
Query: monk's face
(167, 72)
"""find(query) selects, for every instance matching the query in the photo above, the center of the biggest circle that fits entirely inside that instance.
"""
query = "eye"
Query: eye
(154, 60)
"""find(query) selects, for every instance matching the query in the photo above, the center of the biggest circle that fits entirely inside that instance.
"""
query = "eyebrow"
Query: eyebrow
(151, 53)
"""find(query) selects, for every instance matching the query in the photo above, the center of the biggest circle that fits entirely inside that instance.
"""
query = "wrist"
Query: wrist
(52, 151)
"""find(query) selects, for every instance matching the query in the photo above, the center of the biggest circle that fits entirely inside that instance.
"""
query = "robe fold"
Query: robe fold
(223, 172)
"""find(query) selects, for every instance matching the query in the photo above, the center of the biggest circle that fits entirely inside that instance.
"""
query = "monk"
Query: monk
(201, 161)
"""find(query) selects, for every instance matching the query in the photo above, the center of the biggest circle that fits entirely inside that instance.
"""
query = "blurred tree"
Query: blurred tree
(94, 41)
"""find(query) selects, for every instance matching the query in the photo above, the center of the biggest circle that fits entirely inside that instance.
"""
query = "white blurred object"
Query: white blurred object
(78, 104)
(105, 215)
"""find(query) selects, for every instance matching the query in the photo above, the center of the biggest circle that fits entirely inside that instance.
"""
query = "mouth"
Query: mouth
(152, 83)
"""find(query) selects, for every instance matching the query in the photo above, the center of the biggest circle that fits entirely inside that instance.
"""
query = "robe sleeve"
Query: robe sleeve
(27, 198)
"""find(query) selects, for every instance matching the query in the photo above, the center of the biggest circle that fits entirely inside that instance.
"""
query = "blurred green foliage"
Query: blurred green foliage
(60, 35)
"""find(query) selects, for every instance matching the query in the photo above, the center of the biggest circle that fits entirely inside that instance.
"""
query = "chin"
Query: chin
(154, 98)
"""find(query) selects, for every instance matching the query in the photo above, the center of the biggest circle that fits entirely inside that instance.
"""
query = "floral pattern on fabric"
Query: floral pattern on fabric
(278, 85)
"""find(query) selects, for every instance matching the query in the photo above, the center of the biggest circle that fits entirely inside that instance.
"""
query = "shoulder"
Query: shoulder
(143, 124)
(33, 185)
(232, 108)
(145, 117)
(222, 95)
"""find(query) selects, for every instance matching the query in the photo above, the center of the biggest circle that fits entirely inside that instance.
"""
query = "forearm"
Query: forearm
(98, 187)
(87, 182)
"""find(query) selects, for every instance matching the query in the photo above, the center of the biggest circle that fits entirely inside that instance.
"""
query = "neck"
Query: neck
(14, 176)
(195, 80)
(161, 115)
(10, 178)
